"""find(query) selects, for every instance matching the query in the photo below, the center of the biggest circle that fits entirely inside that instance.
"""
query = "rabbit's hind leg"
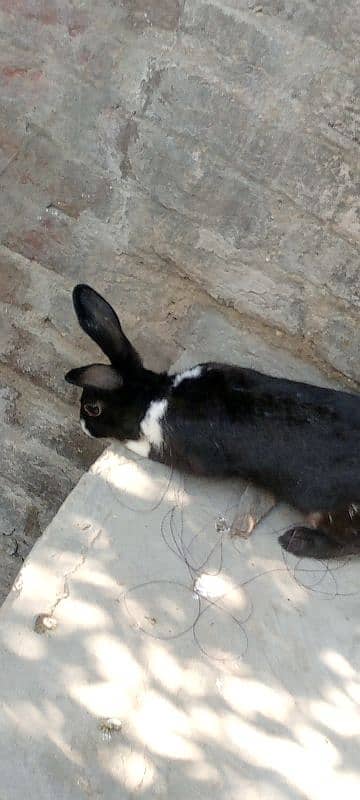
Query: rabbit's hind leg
(327, 535)
(312, 543)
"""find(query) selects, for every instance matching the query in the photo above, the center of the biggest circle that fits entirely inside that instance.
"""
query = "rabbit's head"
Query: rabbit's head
(114, 396)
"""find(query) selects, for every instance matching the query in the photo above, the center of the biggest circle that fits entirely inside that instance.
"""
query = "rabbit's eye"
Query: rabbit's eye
(93, 409)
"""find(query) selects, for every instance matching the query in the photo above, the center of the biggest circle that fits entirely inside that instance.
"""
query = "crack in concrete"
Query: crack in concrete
(68, 575)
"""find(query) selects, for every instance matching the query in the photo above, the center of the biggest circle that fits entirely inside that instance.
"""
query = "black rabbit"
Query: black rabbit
(300, 442)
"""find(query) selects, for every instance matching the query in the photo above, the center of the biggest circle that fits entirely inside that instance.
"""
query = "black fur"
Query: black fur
(103, 326)
(299, 441)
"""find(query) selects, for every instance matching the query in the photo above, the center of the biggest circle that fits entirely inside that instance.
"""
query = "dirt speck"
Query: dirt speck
(108, 726)
(45, 623)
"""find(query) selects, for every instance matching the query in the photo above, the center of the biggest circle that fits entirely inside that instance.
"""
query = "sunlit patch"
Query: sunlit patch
(211, 586)
(125, 475)
(40, 582)
(353, 690)
(139, 773)
(191, 676)
(219, 588)
(250, 697)
(337, 712)
(147, 481)
(166, 729)
(205, 721)
(318, 744)
(139, 446)
(114, 659)
(338, 664)
(164, 667)
(102, 698)
(82, 614)
(204, 772)
(301, 768)
(94, 577)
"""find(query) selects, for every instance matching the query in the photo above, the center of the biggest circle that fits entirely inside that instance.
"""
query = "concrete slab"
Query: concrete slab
(147, 653)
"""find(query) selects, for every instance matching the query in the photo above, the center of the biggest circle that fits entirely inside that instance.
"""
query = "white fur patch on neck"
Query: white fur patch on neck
(192, 373)
(151, 425)
(139, 446)
(83, 425)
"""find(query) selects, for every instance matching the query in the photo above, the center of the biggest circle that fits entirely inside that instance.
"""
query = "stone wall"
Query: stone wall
(219, 139)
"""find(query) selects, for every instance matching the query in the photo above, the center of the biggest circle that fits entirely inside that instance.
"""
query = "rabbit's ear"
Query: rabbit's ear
(99, 321)
(95, 376)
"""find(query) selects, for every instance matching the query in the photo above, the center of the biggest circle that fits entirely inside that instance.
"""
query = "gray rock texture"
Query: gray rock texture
(220, 137)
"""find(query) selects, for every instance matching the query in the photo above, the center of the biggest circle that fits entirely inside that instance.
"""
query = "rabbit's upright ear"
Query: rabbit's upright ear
(99, 321)
(95, 376)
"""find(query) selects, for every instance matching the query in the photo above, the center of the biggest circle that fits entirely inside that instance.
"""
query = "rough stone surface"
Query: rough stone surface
(147, 653)
(211, 337)
(217, 138)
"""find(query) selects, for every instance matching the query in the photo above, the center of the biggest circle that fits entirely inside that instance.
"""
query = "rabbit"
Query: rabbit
(298, 441)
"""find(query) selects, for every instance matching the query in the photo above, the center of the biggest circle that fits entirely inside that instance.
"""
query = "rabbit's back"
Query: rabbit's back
(300, 441)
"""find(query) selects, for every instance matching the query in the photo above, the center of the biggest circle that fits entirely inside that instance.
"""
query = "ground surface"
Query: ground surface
(146, 653)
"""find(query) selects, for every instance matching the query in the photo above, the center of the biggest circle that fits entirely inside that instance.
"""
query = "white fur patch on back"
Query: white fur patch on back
(83, 425)
(192, 373)
(139, 446)
(151, 424)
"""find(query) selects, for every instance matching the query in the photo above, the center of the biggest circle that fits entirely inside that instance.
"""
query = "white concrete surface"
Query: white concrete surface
(173, 661)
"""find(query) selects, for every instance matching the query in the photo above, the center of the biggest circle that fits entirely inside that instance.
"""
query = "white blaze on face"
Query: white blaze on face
(83, 425)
